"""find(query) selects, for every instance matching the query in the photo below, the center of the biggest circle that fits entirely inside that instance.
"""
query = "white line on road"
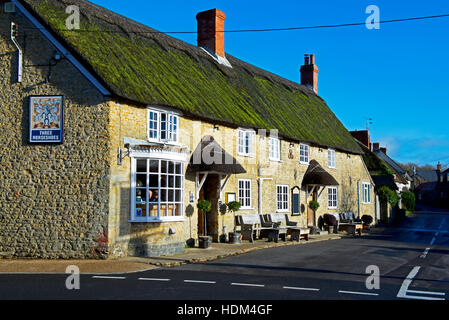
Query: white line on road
(424, 255)
(427, 292)
(403, 292)
(299, 288)
(153, 279)
(108, 277)
(360, 293)
(200, 281)
(433, 241)
(247, 284)
(404, 287)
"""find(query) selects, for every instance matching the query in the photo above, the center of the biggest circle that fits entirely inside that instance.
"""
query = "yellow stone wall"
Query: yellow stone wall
(131, 122)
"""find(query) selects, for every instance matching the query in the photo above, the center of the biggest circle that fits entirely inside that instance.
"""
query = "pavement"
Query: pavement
(138, 264)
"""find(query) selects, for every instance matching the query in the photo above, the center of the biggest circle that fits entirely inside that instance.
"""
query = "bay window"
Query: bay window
(157, 188)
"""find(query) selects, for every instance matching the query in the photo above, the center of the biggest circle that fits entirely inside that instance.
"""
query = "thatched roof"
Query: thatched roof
(137, 63)
(316, 175)
(209, 156)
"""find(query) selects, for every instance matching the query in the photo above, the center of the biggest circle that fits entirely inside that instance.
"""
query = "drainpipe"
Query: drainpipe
(358, 199)
(14, 33)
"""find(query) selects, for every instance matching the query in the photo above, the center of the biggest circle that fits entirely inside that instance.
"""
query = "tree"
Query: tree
(408, 200)
(388, 195)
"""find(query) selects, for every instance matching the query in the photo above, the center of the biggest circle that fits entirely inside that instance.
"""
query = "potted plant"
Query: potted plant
(234, 237)
(331, 222)
(367, 220)
(204, 206)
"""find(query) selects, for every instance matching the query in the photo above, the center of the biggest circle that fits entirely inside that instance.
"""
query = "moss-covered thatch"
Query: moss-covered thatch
(139, 64)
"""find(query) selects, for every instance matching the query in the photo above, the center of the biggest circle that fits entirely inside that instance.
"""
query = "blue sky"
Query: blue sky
(398, 75)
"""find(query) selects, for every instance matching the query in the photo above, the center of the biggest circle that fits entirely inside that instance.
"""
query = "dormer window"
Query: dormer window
(162, 126)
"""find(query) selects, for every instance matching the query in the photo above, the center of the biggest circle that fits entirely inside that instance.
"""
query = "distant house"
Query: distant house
(432, 187)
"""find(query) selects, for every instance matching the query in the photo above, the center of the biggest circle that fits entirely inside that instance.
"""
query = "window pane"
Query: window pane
(164, 166)
(154, 165)
(154, 180)
(141, 165)
(178, 168)
(141, 180)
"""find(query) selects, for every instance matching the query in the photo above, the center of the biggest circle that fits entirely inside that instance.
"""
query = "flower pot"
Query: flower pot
(203, 242)
(234, 237)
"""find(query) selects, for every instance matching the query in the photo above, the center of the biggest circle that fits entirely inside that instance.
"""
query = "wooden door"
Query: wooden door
(310, 213)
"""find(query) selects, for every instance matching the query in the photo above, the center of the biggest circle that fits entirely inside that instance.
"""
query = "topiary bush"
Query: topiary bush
(205, 206)
(314, 205)
(367, 219)
(234, 206)
(408, 200)
(330, 220)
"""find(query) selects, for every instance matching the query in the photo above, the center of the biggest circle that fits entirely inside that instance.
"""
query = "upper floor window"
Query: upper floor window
(162, 126)
(245, 142)
(366, 192)
(275, 149)
(332, 197)
(331, 158)
(304, 153)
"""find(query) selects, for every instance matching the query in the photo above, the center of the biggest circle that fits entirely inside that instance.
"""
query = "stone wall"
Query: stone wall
(53, 198)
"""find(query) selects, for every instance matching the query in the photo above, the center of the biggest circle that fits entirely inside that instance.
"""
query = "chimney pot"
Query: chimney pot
(439, 166)
(211, 31)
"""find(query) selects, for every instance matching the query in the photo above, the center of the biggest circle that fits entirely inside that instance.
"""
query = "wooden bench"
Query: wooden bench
(350, 224)
(290, 227)
(252, 225)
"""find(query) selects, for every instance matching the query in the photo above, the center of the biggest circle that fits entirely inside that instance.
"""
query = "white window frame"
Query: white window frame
(282, 198)
(171, 126)
(244, 193)
(303, 148)
(332, 158)
(332, 197)
(274, 149)
(245, 142)
(180, 187)
(366, 193)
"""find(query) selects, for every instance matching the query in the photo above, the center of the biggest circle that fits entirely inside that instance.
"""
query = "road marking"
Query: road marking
(403, 291)
(108, 277)
(433, 241)
(441, 224)
(199, 281)
(153, 279)
(424, 255)
(427, 292)
(298, 288)
(247, 284)
(359, 293)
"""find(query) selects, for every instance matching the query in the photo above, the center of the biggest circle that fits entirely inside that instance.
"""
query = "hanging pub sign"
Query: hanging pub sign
(46, 119)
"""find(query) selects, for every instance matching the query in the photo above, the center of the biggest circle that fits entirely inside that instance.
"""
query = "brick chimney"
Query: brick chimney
(376, 146)
(439, 166)
(384, 150)
(309, 72)
(363, 137)
(210, 31)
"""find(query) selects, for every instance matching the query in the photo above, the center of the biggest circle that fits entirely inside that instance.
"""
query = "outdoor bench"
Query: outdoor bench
(286, 227)
(252, 225)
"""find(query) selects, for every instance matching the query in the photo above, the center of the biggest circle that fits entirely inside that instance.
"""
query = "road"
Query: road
(412, 260)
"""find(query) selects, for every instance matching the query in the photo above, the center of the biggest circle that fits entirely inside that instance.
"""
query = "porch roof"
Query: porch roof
(316, 175)
(210, 157)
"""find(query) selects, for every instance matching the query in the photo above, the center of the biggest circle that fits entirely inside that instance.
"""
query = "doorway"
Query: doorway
(210, 191)
(310, 214)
